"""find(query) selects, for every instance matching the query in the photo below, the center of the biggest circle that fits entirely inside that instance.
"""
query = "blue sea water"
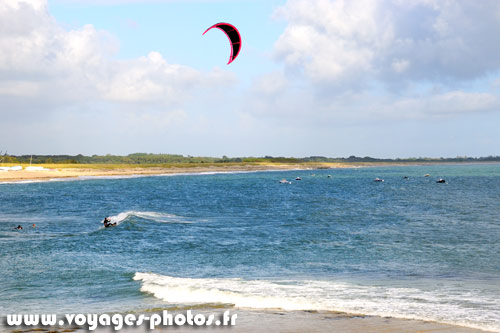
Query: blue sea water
(403, 248)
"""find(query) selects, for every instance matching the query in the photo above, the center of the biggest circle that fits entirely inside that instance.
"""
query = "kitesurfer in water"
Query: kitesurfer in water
(107, 222)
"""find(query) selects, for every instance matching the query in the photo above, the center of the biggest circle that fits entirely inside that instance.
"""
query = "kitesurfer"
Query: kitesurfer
(107, 222)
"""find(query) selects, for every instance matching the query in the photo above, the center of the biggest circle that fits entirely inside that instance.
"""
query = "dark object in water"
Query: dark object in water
(441, 181)
(19, 227)
(298, 178)
(378, 180)
(107, 222)
(406, 177)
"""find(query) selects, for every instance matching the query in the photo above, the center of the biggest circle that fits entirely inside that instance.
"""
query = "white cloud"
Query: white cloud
(149, 79)
(119, 2)
(370, 62)
(400, 65)
(16, 88)
(65, 92)
(352, 41)
(270, 84)
(448, 103)
(50, 65)
(298, 107)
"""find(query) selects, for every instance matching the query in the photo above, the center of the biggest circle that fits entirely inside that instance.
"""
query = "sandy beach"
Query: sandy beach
(55, 171)
(304, 321)
(96, 171)
(249, 321)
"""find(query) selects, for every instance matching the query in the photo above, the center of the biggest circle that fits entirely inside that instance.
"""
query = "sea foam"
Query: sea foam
(152, 216)
(447, 305)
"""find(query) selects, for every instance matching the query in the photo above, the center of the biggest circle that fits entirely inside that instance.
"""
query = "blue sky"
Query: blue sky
(314, 77)
(175, 30)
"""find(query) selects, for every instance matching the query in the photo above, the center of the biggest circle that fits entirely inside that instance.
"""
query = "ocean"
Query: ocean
(405, 248)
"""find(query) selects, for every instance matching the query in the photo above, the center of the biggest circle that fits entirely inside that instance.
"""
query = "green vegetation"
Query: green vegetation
(402, 160)
(161, 160)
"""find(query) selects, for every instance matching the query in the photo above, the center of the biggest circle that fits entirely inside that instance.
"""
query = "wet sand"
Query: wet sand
(288, 322)
(303, 321)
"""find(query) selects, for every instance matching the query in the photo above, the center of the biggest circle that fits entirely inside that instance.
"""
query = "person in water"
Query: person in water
(19, 227)
(107, 222)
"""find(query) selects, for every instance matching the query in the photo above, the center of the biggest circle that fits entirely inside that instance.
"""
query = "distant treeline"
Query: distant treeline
(143, 158)
(402, 160)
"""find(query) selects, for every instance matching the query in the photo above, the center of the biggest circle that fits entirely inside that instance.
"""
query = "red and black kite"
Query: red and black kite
(233, 35)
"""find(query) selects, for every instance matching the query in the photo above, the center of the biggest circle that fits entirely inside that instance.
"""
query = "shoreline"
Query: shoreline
(252, 320)
(76, 173)
(328, 321)
(70, 172)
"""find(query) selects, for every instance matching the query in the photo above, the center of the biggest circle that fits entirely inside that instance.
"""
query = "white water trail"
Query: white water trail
(152, 216)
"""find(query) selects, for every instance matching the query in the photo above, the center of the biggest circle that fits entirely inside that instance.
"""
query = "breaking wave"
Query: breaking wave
(446, 305)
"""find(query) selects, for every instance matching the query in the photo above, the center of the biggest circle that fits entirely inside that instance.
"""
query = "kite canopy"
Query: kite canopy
(234, 38)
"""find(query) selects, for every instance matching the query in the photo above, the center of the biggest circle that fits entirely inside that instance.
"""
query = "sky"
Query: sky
(380, 78)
